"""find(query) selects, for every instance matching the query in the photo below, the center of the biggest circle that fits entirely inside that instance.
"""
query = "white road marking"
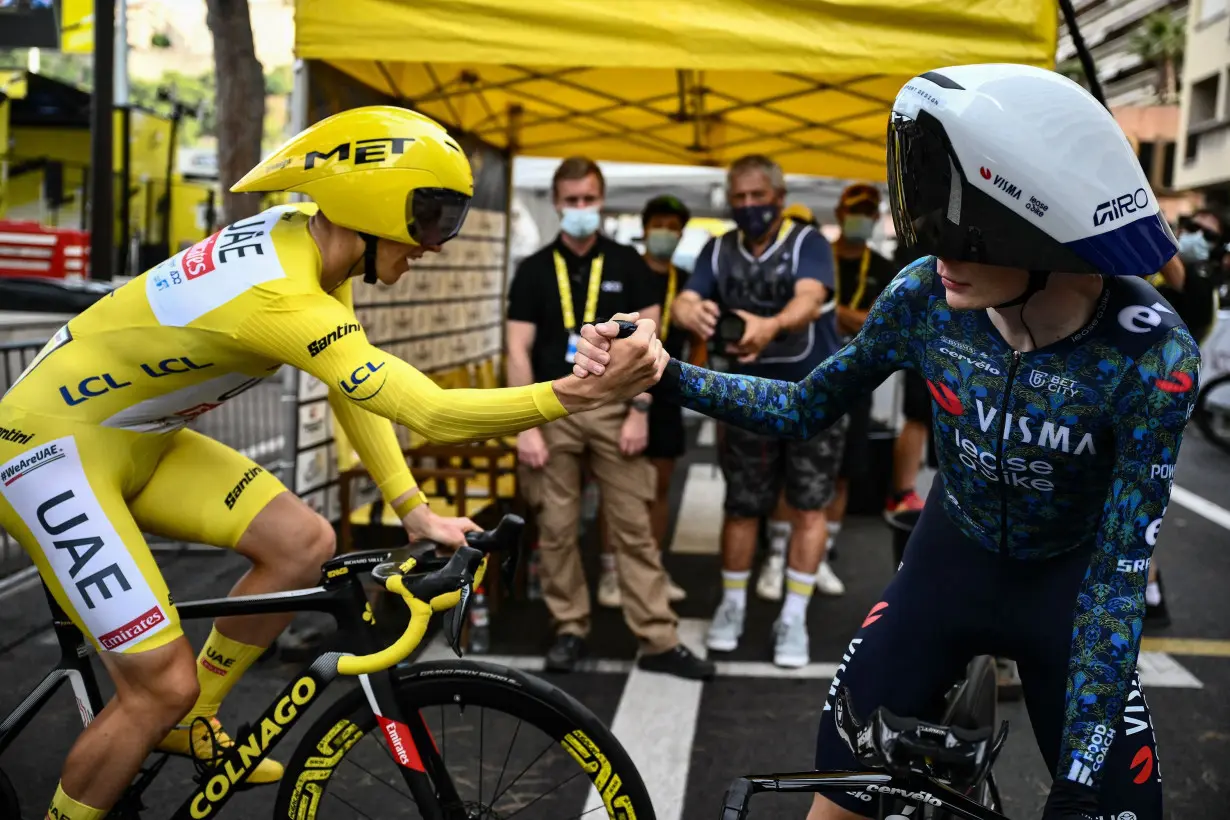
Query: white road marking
(698, 528)
(1201, 506)
(1160, 671)
(655, 722)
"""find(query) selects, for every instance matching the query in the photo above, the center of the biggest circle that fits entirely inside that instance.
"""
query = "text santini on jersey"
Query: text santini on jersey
(317, 347)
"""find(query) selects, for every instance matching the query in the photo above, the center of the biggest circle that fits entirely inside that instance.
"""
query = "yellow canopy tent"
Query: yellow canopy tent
(692, 82)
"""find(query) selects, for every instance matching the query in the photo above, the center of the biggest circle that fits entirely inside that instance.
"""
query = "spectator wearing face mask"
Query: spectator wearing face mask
(770, 584)
(580, 276)
(862, 274)
(774, 278)
(1202, 240)
(1190, 281)
(663, 221)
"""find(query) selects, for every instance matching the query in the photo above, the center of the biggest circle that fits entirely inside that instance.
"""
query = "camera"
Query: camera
(728, 331)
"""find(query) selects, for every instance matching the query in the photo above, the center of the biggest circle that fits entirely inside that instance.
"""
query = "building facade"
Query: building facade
(1203, 156)
(1107, 27)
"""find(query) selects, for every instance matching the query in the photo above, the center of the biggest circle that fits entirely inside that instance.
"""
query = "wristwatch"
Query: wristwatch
(640, 405)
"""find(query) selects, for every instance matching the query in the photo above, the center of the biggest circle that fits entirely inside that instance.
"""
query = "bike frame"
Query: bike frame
(341, 596)
(869, 783)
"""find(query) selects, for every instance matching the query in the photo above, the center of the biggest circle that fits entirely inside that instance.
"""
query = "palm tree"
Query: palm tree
(1160, 40)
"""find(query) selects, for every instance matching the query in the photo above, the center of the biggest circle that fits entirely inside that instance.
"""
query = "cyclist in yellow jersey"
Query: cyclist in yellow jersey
(95, 450)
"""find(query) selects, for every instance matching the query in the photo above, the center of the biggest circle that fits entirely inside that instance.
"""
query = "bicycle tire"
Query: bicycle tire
(469, 683)
(1203, 417)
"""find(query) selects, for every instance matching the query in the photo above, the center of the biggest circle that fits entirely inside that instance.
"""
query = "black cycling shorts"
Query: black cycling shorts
(952, 600)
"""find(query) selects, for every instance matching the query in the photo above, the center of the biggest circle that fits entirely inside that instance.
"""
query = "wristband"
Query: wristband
(404, 508)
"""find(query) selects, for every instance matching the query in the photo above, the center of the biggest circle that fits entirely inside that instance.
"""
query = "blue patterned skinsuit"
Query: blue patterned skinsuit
(1063, 455)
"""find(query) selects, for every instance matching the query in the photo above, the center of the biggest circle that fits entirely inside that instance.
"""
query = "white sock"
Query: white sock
(608, 562)
(798, 592)
(834, 528)
(1153, 594)
(734, 588)
(779, 537)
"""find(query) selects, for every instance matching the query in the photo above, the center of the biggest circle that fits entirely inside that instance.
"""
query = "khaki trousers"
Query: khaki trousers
(627, 488)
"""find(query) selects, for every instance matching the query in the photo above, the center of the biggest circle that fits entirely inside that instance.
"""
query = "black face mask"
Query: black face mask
(755, 220)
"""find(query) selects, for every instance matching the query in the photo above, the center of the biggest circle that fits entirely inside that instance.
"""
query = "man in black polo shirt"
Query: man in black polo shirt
(579, 277)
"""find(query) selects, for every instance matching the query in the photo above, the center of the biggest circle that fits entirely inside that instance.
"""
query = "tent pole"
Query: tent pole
(1082, 51)
(102, 144)
(513, 141)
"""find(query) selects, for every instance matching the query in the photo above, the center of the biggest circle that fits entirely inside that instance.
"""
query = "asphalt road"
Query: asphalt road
(692, 743)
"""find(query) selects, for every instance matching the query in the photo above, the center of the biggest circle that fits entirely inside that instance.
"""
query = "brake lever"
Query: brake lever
(455, 618)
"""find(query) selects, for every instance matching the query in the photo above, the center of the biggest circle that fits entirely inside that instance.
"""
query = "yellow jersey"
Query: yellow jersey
(221, 316)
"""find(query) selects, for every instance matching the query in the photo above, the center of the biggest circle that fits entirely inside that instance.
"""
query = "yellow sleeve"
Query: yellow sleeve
(372, 436)
(317, 334)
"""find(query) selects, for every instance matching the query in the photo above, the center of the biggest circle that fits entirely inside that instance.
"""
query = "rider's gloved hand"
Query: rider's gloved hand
(1071, 801)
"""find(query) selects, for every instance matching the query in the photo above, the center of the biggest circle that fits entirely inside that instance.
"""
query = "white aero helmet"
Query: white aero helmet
(1019, 166)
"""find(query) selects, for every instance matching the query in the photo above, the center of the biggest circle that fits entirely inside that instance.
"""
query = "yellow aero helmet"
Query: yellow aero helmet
(380, 170)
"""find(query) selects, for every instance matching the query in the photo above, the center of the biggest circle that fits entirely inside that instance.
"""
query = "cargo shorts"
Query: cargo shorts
(758, 468)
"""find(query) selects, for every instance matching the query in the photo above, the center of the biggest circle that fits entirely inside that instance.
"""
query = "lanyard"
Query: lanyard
(565, 291)
(863, 267)
(671, 282)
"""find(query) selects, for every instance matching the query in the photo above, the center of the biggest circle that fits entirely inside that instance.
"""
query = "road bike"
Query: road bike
(401, 744)
(915, 770)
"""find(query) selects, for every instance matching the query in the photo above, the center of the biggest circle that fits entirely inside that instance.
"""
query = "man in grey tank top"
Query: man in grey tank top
(777, 276)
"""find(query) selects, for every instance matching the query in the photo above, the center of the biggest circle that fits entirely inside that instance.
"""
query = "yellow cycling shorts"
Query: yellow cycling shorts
(78, 498)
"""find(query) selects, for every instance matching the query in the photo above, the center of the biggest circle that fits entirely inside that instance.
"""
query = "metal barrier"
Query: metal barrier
(255, 422)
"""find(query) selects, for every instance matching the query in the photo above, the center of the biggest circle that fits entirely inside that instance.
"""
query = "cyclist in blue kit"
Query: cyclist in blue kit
(1061, 383)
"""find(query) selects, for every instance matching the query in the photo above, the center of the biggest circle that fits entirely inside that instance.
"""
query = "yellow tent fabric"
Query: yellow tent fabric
(695, 82)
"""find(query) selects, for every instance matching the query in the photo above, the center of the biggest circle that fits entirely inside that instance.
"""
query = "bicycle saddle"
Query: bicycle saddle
(904, 745)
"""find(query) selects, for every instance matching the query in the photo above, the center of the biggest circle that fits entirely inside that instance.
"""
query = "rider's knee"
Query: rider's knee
(296, 547)
(309, 545)
(162, 691)
(323, 543)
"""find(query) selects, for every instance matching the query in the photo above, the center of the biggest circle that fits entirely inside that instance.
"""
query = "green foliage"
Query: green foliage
(1073, 70)
(279, 80)
(160, 40)
(1160, 36)
(196, 93)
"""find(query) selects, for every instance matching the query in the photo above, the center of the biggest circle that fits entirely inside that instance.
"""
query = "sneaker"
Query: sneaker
(1008, 681)
(608, 590)
(674, 592)
(830, 549)
(772, 578)
(726, 629)
(207, 738)
(564, 653)
(827, 581)
(904, 502)
(680, 662)
(791, 647)
(1156, 614)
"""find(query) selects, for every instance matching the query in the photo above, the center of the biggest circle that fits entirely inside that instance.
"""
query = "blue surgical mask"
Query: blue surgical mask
(755, 220)
(580, 223)
(661, 243)
(1193, 247)
(857, 228)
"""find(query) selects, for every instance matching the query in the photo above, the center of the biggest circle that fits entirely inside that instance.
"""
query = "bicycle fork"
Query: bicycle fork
(413, 747)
